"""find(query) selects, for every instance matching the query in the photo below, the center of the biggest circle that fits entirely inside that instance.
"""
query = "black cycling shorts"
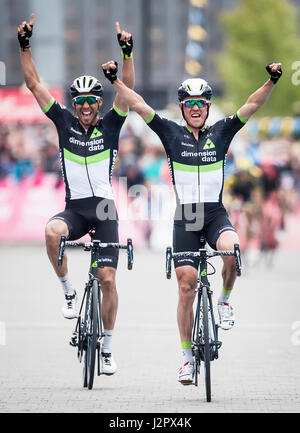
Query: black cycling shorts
(215, 222)
(82, 215)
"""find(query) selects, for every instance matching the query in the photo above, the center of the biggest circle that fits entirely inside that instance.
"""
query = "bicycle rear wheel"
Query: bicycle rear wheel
(91, 335)
(206, 343)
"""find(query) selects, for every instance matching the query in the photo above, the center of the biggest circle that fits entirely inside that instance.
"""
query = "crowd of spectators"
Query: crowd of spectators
(273, 164)
(28, 150)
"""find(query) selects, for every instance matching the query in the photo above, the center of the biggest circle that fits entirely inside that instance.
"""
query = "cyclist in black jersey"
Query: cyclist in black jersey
(196, 155)
(88, 148)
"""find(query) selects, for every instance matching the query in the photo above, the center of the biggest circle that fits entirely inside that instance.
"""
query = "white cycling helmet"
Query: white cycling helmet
(86, 84)
(194, 87)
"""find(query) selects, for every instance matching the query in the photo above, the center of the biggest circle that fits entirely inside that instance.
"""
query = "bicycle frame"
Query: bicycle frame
(89, 329)
(205, 342)
(77, 339)
(203, 282)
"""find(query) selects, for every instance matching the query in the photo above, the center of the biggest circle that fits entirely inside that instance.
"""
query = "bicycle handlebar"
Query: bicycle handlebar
(88, 245)
(95, 244)
(208, 254)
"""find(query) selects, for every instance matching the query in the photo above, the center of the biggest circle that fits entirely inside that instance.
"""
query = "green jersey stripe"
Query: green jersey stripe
(195, 168)
(48, 106)
(241, 117)
(150, 118)
(89, 159)
(120, 113)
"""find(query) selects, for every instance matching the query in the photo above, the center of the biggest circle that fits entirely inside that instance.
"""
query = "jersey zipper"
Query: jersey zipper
(198, 158)
(86, 166)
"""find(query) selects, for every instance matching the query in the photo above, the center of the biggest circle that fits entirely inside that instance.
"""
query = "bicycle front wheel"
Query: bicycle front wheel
(91, 335)
(206, 343)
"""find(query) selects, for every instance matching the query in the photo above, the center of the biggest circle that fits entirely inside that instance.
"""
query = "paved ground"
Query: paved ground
(258, 369)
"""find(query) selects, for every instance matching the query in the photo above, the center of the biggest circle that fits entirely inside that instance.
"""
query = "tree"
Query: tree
(256, 33)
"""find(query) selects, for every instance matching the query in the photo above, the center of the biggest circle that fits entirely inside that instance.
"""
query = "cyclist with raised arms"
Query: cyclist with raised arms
(88, 148)
(196, 155)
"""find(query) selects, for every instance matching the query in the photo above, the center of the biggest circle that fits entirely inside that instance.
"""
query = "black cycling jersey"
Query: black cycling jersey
(197, 166)
(87, 156)
(197, 170)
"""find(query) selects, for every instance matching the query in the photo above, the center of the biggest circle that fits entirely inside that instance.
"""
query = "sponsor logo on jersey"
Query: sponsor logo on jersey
(76, 132)
(187, 144)
(207, 156)
(95, 144)
(96, 133)
(114, 157)
(208, 145)
(200, 153)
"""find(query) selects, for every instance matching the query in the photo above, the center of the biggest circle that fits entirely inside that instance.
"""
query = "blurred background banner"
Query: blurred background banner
(226, 42)
(18, 105)
(26, 207)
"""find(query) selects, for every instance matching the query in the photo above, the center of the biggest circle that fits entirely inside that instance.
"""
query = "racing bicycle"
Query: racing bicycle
(88, 333)
(205, 341)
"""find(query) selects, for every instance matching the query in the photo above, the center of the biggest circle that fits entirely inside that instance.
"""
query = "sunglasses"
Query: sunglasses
(199, 102)
(89, 99)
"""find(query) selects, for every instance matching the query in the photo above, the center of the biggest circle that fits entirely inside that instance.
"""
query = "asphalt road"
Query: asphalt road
(258, 369)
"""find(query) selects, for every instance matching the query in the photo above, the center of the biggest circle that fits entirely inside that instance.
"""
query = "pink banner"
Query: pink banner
(26, 207)
(18, 105)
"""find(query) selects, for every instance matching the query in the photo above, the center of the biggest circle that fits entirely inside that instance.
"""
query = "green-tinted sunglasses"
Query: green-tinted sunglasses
(89, 99)
(199, 102)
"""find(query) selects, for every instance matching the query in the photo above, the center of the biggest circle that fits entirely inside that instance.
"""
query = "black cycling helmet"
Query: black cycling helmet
(86, 84)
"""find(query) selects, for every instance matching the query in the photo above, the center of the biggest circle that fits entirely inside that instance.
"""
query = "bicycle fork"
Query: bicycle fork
(198, 334)
(215, 344)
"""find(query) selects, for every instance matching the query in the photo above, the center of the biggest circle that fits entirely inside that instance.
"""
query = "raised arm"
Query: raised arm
(129, 96)
(260, 96)
(31, 76)
(128, 73)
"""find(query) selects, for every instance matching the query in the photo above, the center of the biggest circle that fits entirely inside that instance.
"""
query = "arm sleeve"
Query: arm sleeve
(58, 113)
